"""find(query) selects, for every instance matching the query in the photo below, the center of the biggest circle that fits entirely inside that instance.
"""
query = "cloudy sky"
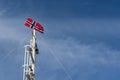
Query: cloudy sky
(81, 40)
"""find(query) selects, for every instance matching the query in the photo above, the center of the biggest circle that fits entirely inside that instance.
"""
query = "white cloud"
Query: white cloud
(65, 49)
(73, 54)
(70, 49)
(76, 57)
(11, 29)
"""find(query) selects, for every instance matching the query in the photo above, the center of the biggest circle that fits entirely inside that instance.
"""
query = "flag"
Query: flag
(38, 27)
(34, 25)
(30, 23)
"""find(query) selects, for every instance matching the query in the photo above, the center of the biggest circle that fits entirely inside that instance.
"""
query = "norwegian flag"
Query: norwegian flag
(34, 25)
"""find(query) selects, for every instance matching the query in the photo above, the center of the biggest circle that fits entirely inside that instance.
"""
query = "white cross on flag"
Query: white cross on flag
(34, 25)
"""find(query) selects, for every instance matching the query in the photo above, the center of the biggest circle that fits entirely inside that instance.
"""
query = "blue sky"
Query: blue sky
(81, 40)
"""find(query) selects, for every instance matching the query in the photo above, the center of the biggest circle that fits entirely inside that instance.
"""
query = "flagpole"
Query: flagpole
(31, 50)
(33, 54)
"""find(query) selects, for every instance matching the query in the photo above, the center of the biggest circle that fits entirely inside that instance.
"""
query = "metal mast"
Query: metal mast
(31, 50)
(29, 58)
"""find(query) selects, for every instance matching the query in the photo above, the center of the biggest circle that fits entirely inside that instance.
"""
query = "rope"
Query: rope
(8, 54)
(11, 51)
(60, 63)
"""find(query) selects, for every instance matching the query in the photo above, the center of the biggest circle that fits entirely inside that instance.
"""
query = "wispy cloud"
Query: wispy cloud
(2, 12)
(73, 50)
(74, 47)
(75, 57)
(65, 57)
(11, 29)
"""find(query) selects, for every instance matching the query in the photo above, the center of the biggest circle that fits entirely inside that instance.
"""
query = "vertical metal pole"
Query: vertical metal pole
(29, 59)
(26, 70)
(32, 58)
(24, 65)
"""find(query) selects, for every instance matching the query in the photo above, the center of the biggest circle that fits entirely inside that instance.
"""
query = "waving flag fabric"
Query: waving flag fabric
(34, 25)
(29, 23)
(38, 27)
